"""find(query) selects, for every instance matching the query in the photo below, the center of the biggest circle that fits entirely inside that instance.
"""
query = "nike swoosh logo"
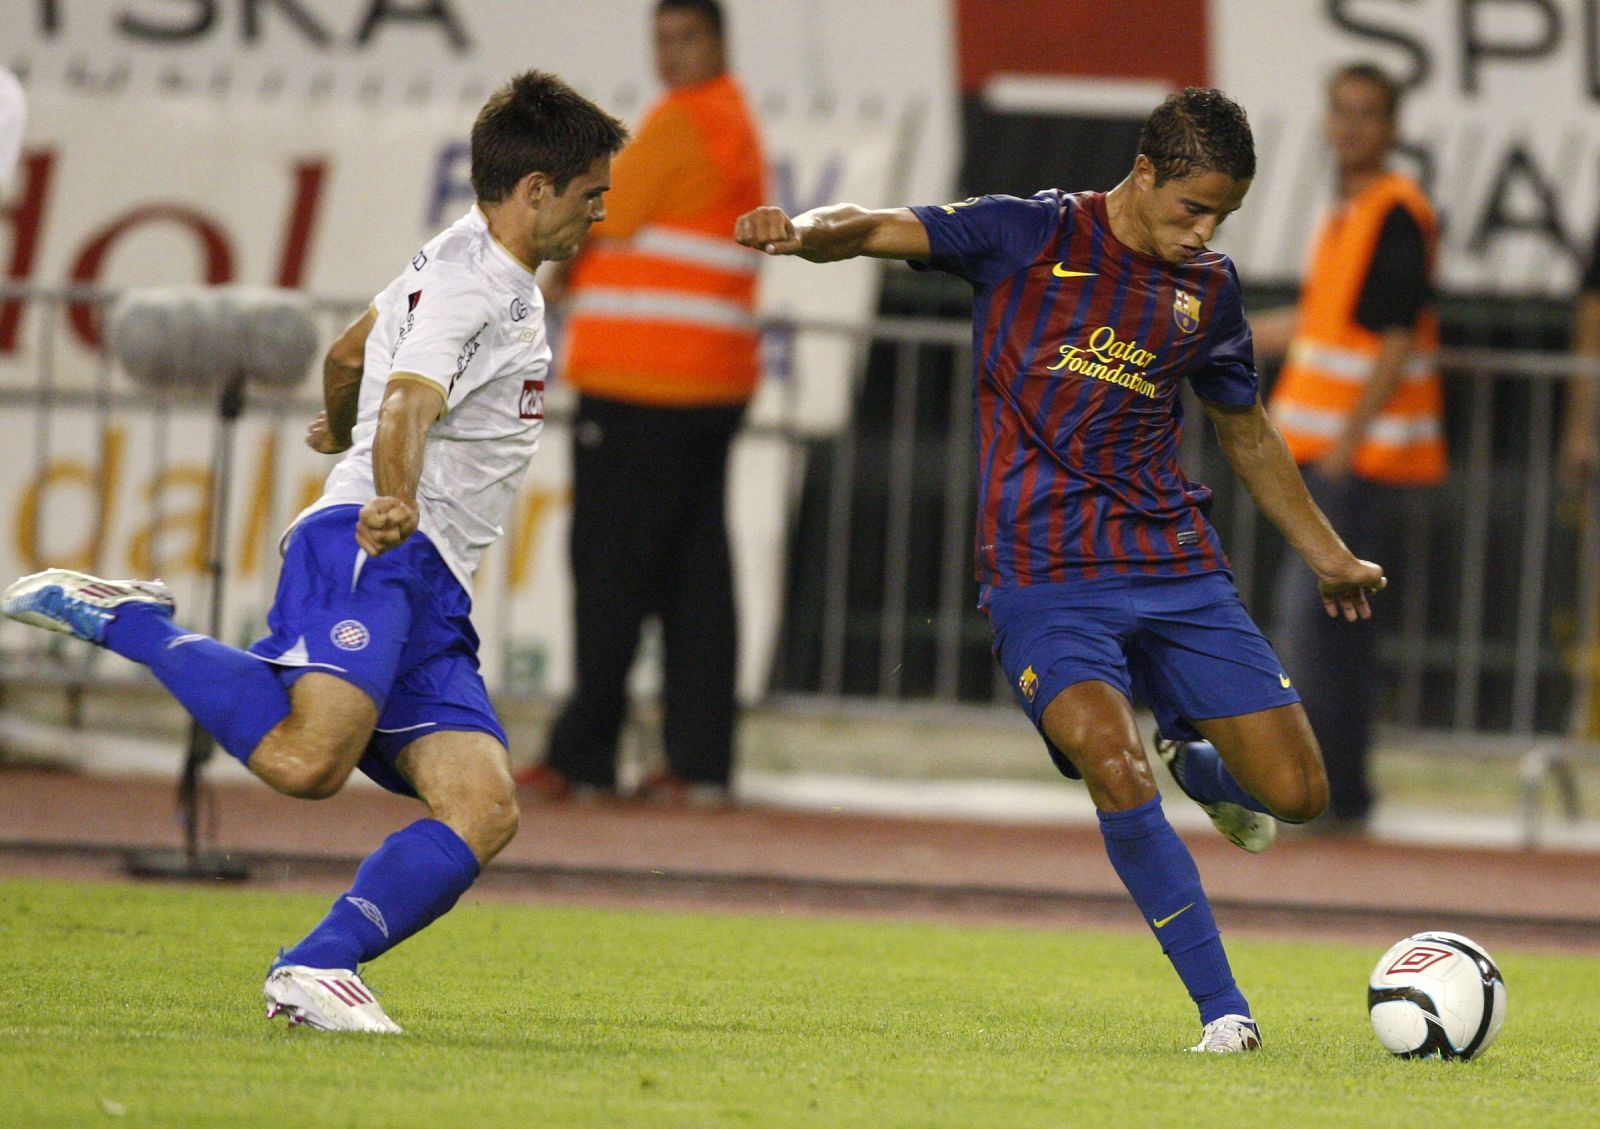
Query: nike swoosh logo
(1283, 680)
(1160, 922)
(1060, 271)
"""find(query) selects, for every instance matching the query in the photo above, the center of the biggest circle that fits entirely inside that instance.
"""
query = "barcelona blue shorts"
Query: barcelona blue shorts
(395, 626)
(1184, 646)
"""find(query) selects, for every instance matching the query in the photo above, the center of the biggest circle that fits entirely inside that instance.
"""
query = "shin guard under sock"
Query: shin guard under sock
(1159, 872)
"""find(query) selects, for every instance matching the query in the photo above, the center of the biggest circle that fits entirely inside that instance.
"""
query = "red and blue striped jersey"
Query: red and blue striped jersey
(1079, 344)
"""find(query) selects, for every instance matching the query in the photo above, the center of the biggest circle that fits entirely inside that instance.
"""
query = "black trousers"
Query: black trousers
(650, 537)
(1334, 664)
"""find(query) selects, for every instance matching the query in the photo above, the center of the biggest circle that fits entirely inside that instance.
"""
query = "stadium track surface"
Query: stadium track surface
(751, 858)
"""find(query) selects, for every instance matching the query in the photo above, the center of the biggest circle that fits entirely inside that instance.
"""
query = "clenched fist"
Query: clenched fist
(769, 229)
(384, 523)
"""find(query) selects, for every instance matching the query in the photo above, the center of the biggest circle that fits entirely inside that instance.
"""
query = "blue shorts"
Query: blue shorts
(1182, 645)
(396, 626)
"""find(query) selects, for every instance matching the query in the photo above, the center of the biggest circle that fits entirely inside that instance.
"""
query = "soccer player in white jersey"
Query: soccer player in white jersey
(436, 393)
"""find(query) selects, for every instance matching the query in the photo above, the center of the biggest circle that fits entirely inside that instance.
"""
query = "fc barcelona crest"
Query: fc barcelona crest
(1186, 311)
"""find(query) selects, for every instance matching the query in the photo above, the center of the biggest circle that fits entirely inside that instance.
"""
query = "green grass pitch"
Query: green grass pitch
(140, 1006)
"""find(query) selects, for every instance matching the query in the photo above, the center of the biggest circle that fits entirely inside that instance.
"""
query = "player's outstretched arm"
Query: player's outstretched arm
(341, 387)
(411, 404)
(1255, 449)
(834, 232)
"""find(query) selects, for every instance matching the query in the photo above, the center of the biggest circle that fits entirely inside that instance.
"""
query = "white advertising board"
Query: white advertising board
(122, 193)
(1501, 120)
(128, 494)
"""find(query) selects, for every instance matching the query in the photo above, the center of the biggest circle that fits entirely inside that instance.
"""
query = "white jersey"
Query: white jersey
(466, 317)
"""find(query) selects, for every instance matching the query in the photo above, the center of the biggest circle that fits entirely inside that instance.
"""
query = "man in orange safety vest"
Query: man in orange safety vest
(661, 344)
(1360, 404)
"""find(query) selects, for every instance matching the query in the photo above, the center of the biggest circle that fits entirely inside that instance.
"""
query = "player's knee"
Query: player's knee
(500, 823)
(297, 764)
(1308, 803)
(306, 758)
(309, 779)
(1116, 773)
(487, 822)
(1299, 797)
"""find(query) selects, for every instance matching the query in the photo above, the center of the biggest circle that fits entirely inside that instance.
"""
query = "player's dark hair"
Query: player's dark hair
(1195, 131)
(708, 10)
(1376, 76)
(537, 123)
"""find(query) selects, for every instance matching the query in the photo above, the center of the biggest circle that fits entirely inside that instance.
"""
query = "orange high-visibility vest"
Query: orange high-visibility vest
(663, 300)
(1333, 356)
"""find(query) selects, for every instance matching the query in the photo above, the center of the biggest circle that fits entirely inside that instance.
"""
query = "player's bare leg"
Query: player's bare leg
(1092, 723)
(1274, 756)
(312, 751)
(303, 742)
(465, 779)
(1249, 769)
(415, 876)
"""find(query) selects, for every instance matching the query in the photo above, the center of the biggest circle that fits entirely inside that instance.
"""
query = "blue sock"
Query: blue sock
(1203, 775)
(236, 698)
(1160, 873)
(416, 875)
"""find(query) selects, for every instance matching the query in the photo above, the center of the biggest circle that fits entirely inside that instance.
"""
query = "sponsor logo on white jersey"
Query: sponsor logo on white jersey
(530, 405)
(411, 316)
(468, 351)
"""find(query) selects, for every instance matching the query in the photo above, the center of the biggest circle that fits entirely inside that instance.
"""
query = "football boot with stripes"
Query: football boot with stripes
(1252, 830)
(328, 999)
(77, 604)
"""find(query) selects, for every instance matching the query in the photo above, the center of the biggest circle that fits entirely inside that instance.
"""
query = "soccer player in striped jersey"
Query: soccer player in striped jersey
(1101, 574)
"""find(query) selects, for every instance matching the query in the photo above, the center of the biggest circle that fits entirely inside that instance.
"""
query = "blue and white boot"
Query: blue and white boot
(77, 604)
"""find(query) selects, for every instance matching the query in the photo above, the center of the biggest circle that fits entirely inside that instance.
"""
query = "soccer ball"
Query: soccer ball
(1436, 995)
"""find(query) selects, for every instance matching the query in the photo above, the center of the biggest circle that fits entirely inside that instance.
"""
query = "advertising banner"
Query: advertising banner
(315, 145)
(1501, 122)
(129, 493)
